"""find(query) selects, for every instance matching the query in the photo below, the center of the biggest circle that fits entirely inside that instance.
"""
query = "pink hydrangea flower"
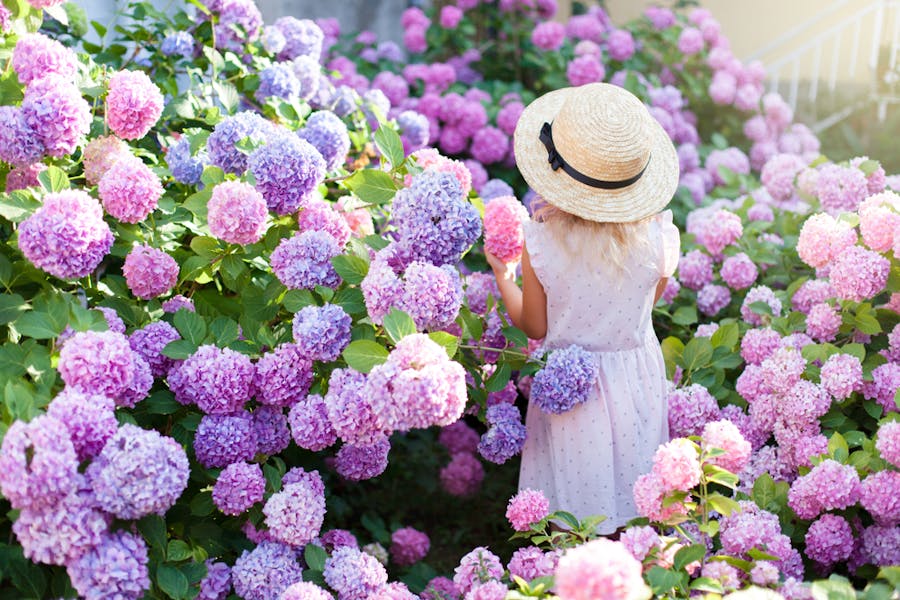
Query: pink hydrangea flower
(676, 465)
(879, 220)
(758, 344)
(100, 154)
(149, 272)
(822, 239)
(463, 475)
(548, 35)
(738, 271)
(600, 569)
(527, 508)
(503, 228)
(726, 436)
(841, 375)
(409, 545)
(858, 274)
(829, 539)
(35, 56)
(690, 41)
(879, 495)
(237, 213)
(649, 494)
(133, 104)
(888, 442)
(129, 190)
(828, 486)
(585, 69)
(450, 16)
(823, 322)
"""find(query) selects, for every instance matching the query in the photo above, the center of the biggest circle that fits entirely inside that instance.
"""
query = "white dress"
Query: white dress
(587, 460)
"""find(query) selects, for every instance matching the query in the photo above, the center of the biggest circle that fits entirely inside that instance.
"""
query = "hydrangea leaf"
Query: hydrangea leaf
(364, 355)
(372, 186)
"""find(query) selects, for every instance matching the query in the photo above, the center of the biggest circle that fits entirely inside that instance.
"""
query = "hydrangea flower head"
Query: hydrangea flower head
(279, 81)
(829, 539)
(129, 190)
(503, 231)
(695, 269)
(350, 409)
(239, 22)
(565, 381)
(600, 568)
(116, 567)
(858, 274)
(726, 436)
(217, 582)
(360, 462)
(888, 442)
(66, 236)
(266, 571)
(55, 111)
(354, 574)
(878, 495)
(224, 439)
(527, 508)
(270, 426)
(760, 293)
(322, 332)
(98, 362)
(690, 408)
(228, 132)
(823, 239)
(463, 475)
(133, 104)
(478, 566)
(738, 271)
(879, 218)
(237, 213)
(138, 472)
(841, 188)
(218, 380)
(309, 423)
(303, 37)
(287, 169)
(240, 485)
(303, 261)
(283, 376)
(409, 546)
(89, 418)
(295, 514)
(35, 56)
(100, 154)
(841, 375)
(178, 43)
(828, 486)
(149, 272)
(320, 216)
(676, 465)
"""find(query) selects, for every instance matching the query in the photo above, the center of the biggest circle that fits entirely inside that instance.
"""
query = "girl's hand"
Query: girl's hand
(501, 269)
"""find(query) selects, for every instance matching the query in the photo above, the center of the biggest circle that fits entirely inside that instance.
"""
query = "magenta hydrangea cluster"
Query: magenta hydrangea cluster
(138, 472)
(66, 236)
(690, 409)
(463, 475)
(725, 435)
(695, 269)
(218, 380)
(760, 293)
(322, 332)
(89, 418)
(133, 104)
(841, 375)
(350, 410)
(303, 261)
(99, 362)
(217, 582)
(287, 170)
(304, 590)
(828, 486)
(750, 527)
(739, 271)
(294, 515)
(237, 213)
(565, 381)
(239, 486)
(409, 546)
(283, 376)
(888, 442)
(116, 567)
(434, 221)
(239, 22)
(822, 239)
(504, 235)
(149, 272)
(266, 571)
(858, 274)
(35, 56)
(458, 437)
(357, 462)
(310, 425)
(129, 190)
(526, 508)
(321, 216)
(224, 439)
(270, 426)
(56, 113)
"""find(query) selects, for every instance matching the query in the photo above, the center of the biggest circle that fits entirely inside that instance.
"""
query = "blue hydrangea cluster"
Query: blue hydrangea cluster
(354, 574)
(344, 101)
(139, 472)
(414, 130)
(505, 436)
(148, 343)
(38, 465)
(217, 583)
(114, 568)
(432, 295)
(308, 72)
(565, 380)
(303, 37)
(303, 261)
(220, 145)
(224, 439)
(375, 105)
(179, 43)
(327, 134)
(271, 428)
(185, 168)
(287, 170)
(266, 571)
(322, 332)
(349, 409)
(495, 188)
(434, 221)
(278, 81)
(310, 426)
(218, 380)
(283, 375)
(89, 418)
(295, 514)
(359, 462)
(240, 485)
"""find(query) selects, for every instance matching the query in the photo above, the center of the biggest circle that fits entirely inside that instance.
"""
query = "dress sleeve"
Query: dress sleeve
(669, 242)
(534, 243)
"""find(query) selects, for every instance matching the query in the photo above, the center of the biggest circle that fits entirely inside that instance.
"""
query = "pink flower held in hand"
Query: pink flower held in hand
(504, 235)
(527, 508)
(134, 104)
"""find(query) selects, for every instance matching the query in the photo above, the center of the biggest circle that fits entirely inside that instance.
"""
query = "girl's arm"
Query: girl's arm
(660, 288)
(527, 307)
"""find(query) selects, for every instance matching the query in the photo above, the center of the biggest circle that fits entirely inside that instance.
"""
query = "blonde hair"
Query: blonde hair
(611, 243)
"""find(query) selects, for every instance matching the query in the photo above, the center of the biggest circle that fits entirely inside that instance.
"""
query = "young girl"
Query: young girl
(596, 261)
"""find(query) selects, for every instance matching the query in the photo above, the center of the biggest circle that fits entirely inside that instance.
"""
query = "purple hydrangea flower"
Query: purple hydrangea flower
(359, 462)
(434, 221)
(139, 472)
(828, 486)
(287, 170)
(478, 566)
(97, 362)
(878, 495)
(338, 538)
(304, 590)
(66, 236)
(712, 298)
(308, 72)
(858, 274)
(179, 43)
(841, 188)
(303, 261)
(221, 142)
(319, 215)
(310, 426)
(829, 539)
(506, 435)
(295, 514)
(432, 295)
(565, 381)
(350, 409)
(266, 571)
(218, 380)
(738, 271)
(89, 418)
(148, 343)
(841, 375)
(489, 145)
(759, 293)
(279, 81)
(495, 188)
(463, 475)
(691, 408)
(36, 56)
(695, 269)
(354, 574)
(888, 442)
(283, 376)
(303, 37)
(322, 332)
(176, 303)
(884, 385)
(414, 130)
(114, 568)
(270, 426)
(239, 22)
(38, 464)
(458, 437)
(239, 486)
(327, 134)
(19, 145)
(224, 439)
(185, 167)
(409, 545)
(57, 114)
(217, 583)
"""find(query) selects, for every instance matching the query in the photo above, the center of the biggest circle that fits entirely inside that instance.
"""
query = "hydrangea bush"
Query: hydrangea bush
(253, 348)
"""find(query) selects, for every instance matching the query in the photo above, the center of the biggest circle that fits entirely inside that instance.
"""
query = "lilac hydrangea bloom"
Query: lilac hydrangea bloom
(148, 343)
(217, 583)
(224, 439)
(240, 485)
(354, 574)
(185, 167)
(303, 37)
(19, 145)
(829, 539)
(506, 435)
(239, 22)
(304, 590)
(690, 408)
(89, 418)
(279, 81)
(322, 332)
(828, 486)
(139, 472)
(409, 545)
(283, 376)
(565, 381)
(359, 462)
(287, 169)
(478, 566)
(759, 293)
(327, 134)
(309, 423)
(178, 43)
(129, 190)
(149, 272)
(270, 427)
(434, 221)
(295, 514)
(266, 571)
(67, 236)
(431, 295)
(97, 361)
(218, 380)
(319, 215)
(55, 111)
(303, 261)
(221, 142)
(116, 567)
(350, 409)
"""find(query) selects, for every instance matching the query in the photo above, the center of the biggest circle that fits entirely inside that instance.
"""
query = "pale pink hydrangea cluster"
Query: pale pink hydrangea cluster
(888, 442)
(129, 190)
(237, 213)
(858, 274)
(100, 154)
(879, 220)
(600, 569)
(526, 508)
(133, 104)
(504, 235)
(828, 486)
(724, 435)
(149, 272)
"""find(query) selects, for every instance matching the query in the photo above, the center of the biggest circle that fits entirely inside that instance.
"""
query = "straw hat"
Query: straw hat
(613, 161)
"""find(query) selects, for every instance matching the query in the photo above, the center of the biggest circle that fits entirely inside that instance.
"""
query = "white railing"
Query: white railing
(836, 53)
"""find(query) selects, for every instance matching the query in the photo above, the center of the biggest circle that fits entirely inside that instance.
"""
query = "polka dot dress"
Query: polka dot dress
(586, 460)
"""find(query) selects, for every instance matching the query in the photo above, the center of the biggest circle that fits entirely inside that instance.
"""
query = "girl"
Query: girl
(596, 261)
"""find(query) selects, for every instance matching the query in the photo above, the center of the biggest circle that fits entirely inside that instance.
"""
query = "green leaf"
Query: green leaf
(705, 584)
(10, 307)
(834, 588)
(190, 325)
(295, 300)
(837, 446)
(172, 581)
(722, 505)
(224, 331)
(179, 349)
(685, 315)
(18, 206)
(38, 325)
(567, 518)
(869, 166)
(662, 580)
(390, 145)
(688, 554)
(764, 493)
(498, 380)
(202, 504)
(351, 268)
(351, 300)
(697, 353)
(363, 355)
(448, 341)
(726, 336)
(315, 557)
(205, 246)
(53, 179)
(177, 550)
(372, 186)
(212, 175)
(515, 336)
(153, 528)
(398, 325)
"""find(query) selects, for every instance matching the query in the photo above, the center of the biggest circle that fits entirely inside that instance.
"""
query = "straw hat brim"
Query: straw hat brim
(646, 197)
